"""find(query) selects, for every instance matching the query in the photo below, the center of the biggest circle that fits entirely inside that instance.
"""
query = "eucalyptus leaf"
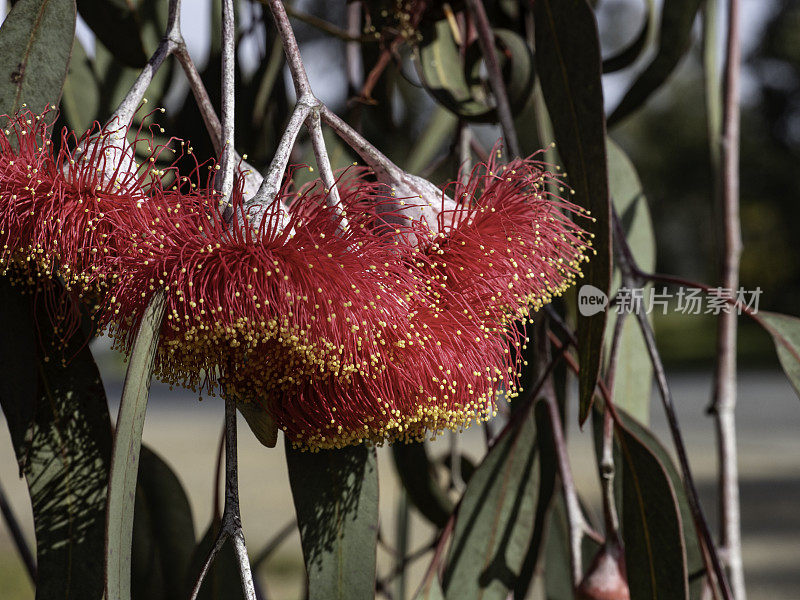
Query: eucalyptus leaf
(81, 97)
(417, 475)
(62, 439)
(675, 36)
(496, 518)
(35, 45)
(336, 500)
(127, 446)
(116, 23)
(785, 332)
(568, 64)
(655, 553)
(163, 531)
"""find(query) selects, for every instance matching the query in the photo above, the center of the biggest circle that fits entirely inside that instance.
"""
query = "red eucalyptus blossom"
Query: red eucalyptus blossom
(59, 208)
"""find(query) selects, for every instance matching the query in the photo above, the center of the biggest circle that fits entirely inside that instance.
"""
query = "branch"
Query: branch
(301, 85)
(231, 525)
(628, 271)
(724, 398)
(486, 39)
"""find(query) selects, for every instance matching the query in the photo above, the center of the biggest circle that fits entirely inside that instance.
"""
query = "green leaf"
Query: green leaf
(437, 132)
(35, 46)
(458, 85)
(417, 475)
(81, 98)
(336, 500)
(629, 55)
(675, 36)
(222, 581)
(694, 557)
(163, 531)
(548, 467)
(568, 63)
(655, 555)
(496, 518)
(127, 445)
(785, 332)
(62, 439)
(633, 379)
(557, 569)
(260, 422)
(116, 23)
(431, 590)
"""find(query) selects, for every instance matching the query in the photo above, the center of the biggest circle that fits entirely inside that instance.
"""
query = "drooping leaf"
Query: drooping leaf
(81, 98)
(418, 478)
(457, 84)
(163, 532)
(222, 581)
(35, 46)
(548, 468)
(633, 380)
(675, 36)
(785, 332)
(116, 23)
(260, 422)
(62, 439)
(694, 558)
(557, 569)
(127, 446)
(631, 53)
(568, 64)
(496, 518)
(336, 500)
(431, 590)
(655, 554)
(437, 132)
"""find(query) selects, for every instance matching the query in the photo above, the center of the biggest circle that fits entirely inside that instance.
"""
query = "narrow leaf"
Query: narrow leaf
(568, 64)
(116, 24)
(655, 555)
(633, 380)
(81, 98)
(631, 53)
(785, 332)
(418, 478)
(675, 36)
(336, 499)
(125, 457)
(164, 537)
(496, 518)
(63, 440)
(35, 46)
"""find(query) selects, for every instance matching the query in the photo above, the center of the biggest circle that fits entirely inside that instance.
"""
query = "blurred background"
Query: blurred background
(667, 141)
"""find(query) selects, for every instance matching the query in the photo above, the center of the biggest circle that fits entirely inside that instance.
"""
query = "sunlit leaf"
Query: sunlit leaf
(336, 500)
(35, 46)
(62, 440)
(496, 518)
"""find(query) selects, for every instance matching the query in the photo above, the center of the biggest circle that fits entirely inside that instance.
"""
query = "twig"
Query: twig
(486, 40)
(628, 270)
(16, 534)
(724, 398)
(329, 28)
(354, 58)
(169, 43)
(299, 77)
(224, 184)
(231, 525)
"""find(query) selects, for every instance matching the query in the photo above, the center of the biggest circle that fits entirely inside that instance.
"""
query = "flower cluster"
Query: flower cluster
(382, 318)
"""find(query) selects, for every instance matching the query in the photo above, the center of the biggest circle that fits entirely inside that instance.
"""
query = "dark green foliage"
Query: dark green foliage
(336, 499)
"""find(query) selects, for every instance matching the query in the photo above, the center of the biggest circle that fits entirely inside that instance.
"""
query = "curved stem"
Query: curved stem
(301, 85)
